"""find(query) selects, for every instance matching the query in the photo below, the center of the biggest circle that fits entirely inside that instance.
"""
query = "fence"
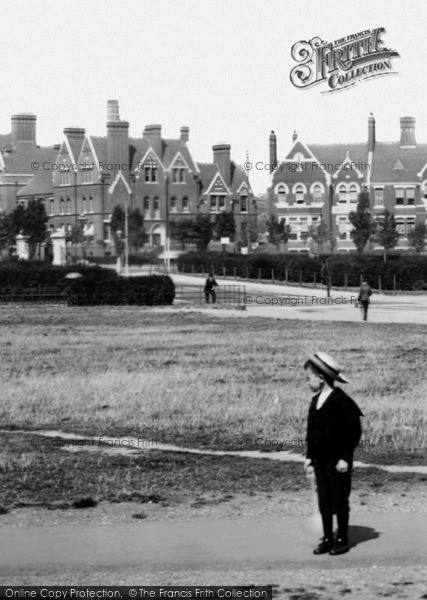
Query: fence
(36, 294)
(232, 295)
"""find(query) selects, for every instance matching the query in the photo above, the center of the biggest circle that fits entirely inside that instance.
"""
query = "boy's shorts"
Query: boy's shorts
(333, 488)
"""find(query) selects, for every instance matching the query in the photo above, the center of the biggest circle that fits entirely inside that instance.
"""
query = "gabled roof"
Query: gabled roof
(100, 146)
(238, 177)
(25, 153)
(385, 157)
(207, 172)
(336, 153)
(40, 185)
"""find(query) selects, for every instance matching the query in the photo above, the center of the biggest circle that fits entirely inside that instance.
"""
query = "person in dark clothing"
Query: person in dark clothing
(364, 298)
(210, 285)
(333, 432)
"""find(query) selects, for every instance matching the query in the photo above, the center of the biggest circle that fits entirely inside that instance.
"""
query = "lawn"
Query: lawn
(196, 380)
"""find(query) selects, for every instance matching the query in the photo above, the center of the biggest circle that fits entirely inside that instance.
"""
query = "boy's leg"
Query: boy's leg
(325, 507)
(213, 296)
(207, 297)
(341, 487)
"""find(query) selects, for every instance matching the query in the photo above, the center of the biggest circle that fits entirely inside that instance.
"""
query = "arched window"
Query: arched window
(342, 193)
(156, 207)
(353, 193)
(174, 206)
(62, 206)
(68, 206)
(281, 195)
(317, 193)
(299, 194)
(185, 204)
(84, 205)
(51, 206)
(146, 207)
(91, 205)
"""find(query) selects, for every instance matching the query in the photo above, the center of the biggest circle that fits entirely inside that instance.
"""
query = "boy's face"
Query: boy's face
(314, 381)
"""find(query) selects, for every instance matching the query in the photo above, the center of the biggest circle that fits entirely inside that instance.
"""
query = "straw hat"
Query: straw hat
(328, 365)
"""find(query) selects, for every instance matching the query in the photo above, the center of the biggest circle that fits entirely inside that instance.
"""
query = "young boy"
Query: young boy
(210, 285)
(333, 432)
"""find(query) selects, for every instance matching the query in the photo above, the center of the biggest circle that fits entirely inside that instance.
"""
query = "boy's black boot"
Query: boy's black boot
(325, 546)
(340, 547)
(328, 539)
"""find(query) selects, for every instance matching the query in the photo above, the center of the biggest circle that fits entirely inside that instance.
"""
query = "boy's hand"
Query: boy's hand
(342, 466)
(309, 471)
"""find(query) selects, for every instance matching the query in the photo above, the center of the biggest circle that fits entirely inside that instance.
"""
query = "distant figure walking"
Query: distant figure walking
(364, 298)
(210, 286)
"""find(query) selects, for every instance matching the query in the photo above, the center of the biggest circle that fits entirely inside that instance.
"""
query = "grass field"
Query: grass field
(194, 380)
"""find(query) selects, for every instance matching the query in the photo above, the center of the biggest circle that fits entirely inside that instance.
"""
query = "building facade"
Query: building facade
(82, 179)
(316, 183)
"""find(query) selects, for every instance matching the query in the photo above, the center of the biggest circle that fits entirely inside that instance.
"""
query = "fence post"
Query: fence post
(223, 272)
(315, 278)
(259, 275)
(394, 284)
(272, 275)
(300, 278)
(345, 281)
(235, 275)
(286, 275)
(379, 284)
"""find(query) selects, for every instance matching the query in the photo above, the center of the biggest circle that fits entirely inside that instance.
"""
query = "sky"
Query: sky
(221, 67)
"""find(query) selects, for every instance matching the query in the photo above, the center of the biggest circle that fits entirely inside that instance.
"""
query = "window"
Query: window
(281, 195)
(400, 227)
(410, 196)
(150, 174)
(353, 193)
(156, 207)
(299, 194)
(185, 204)
(64, 177)
(243, 204)
(400, 196)
(51, 206)
(178, 175)
(68, 206)
(62, 206)
(317, 194)
(84, 205)
(217, 203)
(410, 224)
(87, 174)
(174, 206)
(146, 208)
(90, 204)
(106, 232)
(379, 197)
(342, 195)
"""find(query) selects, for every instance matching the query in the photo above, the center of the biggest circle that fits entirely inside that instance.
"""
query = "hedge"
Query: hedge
(296, 267)
(403, 271)
(95, 286)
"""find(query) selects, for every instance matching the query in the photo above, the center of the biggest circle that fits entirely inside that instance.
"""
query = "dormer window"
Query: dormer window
(150, 174)
(243, 204)
(87, 174)
(64, 177)
(299, 194)
(178, 175)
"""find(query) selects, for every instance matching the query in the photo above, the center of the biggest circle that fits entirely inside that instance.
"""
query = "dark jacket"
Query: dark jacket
(365, 293)
(210, 284)
(334, 430)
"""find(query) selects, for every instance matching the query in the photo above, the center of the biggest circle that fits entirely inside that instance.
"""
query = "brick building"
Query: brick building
(317, 182)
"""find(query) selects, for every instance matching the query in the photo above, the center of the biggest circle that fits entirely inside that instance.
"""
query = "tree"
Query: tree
(253, 233)
(386, 234)
(117, 223)
(417, 237)
(7, 232)
(31, 220)
(278, 231)
(137, 234)
(361, 220)
(75, 236)
(319, 233)
(183, 231)
(225, 225)
(203, 231)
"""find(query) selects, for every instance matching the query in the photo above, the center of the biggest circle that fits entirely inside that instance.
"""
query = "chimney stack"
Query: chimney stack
(153, 135)
(371, 133)
(407, 132)
(294, 136)
(221, 157)
(117, 140)
(185, 133)
(23, 128)
(273, 151)
(75, 133)
(113, 111)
